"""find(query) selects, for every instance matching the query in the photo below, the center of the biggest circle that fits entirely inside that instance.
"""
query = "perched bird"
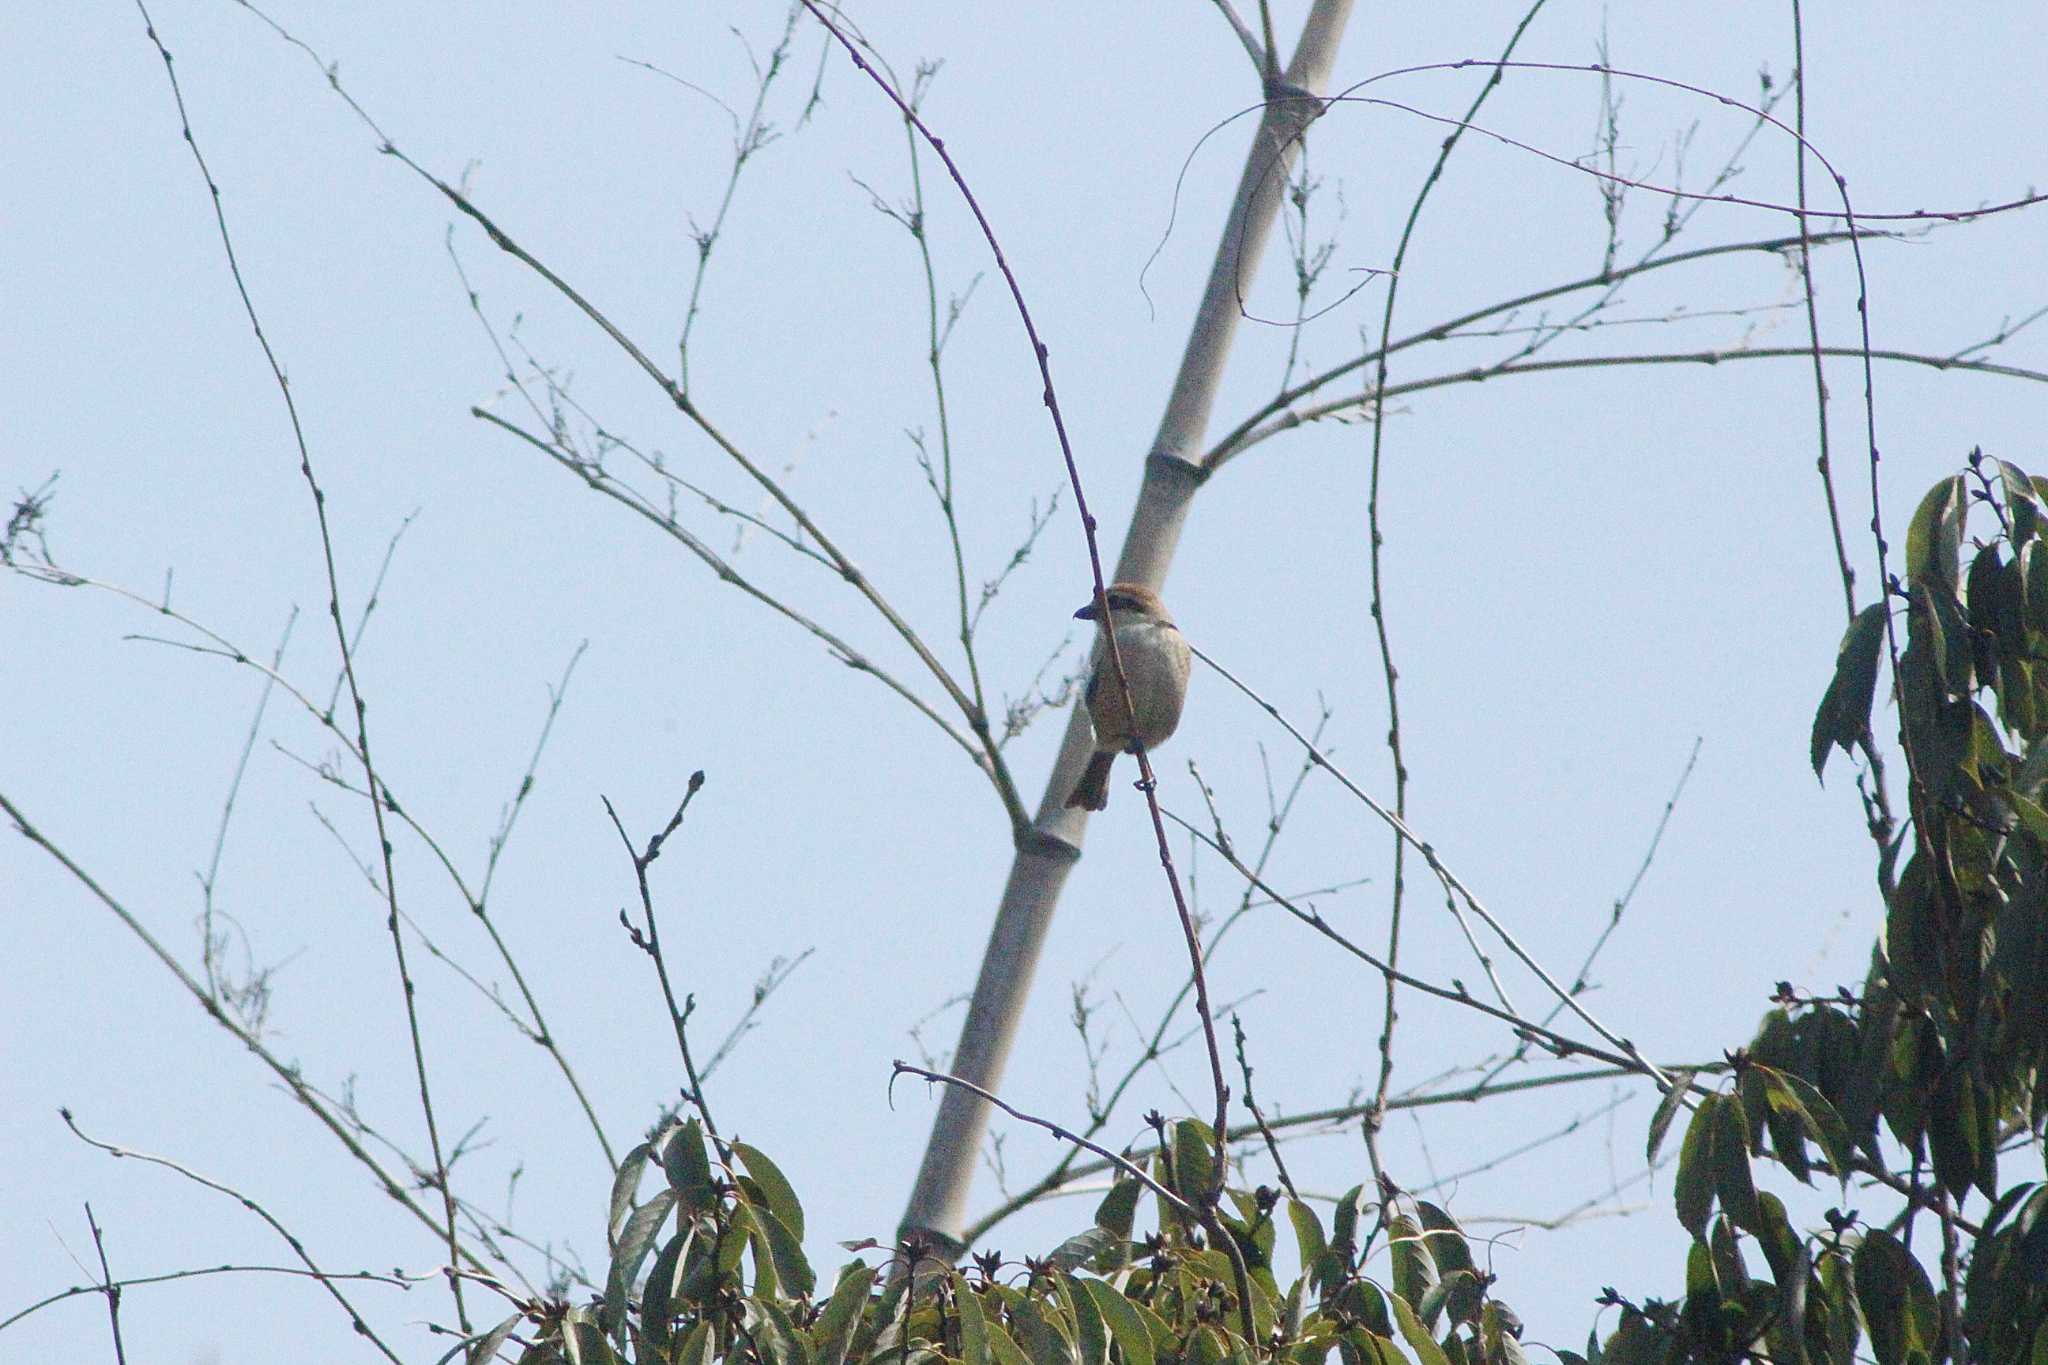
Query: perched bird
(1155, 660)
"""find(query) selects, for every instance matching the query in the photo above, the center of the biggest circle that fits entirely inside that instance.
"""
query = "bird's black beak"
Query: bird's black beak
(1087, 613)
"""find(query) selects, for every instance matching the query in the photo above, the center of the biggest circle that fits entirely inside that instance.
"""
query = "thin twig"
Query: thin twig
(648, 938)
(201, 1272)
(1375, 546)
(1482, 373)
(362, 736)
(1338, 1118)
(1251, 1103)
(1239, 437)
(1621, 903)
(108, 1286)
(288, 1074)
(1128, 1167)
(325, 1281)
(209, 880)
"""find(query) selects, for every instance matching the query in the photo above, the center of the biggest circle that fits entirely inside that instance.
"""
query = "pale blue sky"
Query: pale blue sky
(1587, 571)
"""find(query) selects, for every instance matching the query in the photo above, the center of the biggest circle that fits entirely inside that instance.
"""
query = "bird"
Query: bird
(1155, 660)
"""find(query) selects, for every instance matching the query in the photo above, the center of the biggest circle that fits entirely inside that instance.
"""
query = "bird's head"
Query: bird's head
(1134, 599)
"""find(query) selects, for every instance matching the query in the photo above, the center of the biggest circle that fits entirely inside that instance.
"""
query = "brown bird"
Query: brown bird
(1155, 660)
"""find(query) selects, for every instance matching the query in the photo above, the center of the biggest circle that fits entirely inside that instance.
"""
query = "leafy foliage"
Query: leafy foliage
(710, 1267)
(1937, 1068)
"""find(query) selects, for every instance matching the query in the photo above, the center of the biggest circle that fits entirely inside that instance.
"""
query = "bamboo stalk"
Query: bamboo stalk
(1173, 475)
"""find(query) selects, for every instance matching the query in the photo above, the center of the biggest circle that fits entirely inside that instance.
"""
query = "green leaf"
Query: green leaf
(1983, 598)
(635, 1240)
(792, 1270)
(733, 1242)
(1458, 1290)
(1898, 1302)
(1783, 1114)
(1693, 1189)
(1194, 1160)
(1417, 1336)
(1844, 714)
(773, 1328)
(1003, 1348)
(2033, 564)
(485, 1348)
(2022, 500)
(1362, 1299)
(1414, 1267)
(657, 1299)
(1083, 1248)
(1823, 1123)
(1118, 1210)
(1126, 1327)
(625, 1187)
(833, 1332)
(773, 1187)
(1308, 1233)
(687, 1168)
(1344, 1219)
(1091, 1333)
(1831, 1315)
(1733, 1182)
(582, 1339)
(1952, 1132)
(1791, 1269)
(699, 1346)
(1934, 538)
(1044, 1337)
(1446, 1239)
(974, 1348)
(1667, 1108)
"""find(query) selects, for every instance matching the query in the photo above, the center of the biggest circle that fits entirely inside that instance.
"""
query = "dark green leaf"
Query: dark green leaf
(1667, 1107)
(1934, 537)
(1194, 1160)
(1119, 1208)
(1091, 1333)
(772, 1328)
(1044, 1337)
(1986, 586)
(1005, 1350)
(1414, 1267)
(1793, 1272)
(2022, 500)
(687, 1168)
(1125, 1326)
(1446, 1238)
(1733, 1183)
(1417, 1336)
(1308, 1233)
(1693, 1189)
(792, 1270)
(1344, 1219)
(773, 1187)
(1082, 1248)
(973, 1324)
(1898, 1302)
(1952, 1132)
(484, 1349)
(1844, 714)
(699, 1347)
(635, 1240)
(834, 1330)
(625, 1186)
